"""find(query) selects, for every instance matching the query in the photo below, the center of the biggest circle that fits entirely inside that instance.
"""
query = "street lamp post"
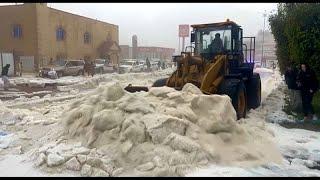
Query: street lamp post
(264, 23)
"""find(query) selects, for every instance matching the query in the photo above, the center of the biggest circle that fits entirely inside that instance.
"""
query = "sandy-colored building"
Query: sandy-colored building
(36, 32)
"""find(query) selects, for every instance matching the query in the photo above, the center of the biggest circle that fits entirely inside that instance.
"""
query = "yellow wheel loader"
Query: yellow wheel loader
(218, 62)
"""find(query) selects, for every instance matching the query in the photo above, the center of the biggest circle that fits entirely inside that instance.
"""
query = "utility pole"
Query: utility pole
(179, 52)
(183, 33)
(183, 44)
(264, 23)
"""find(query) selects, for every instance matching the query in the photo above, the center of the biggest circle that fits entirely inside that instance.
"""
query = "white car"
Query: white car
(130, 66)
(154, 66)
(102, 66)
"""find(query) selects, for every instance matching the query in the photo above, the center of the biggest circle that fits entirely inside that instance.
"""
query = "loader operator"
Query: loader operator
(216, 45)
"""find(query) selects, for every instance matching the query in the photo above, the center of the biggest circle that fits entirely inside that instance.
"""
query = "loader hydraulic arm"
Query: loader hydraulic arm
(214, 76)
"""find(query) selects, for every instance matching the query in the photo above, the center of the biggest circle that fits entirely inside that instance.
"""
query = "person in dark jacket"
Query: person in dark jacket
(92, 68)
(308, 83)
(148, 64)
(5, 70)
(4, 76)
(216, 44)
(163, 65)
(290, 77)
(293, 89)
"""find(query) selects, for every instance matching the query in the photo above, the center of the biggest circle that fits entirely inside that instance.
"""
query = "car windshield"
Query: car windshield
(75, 63)
(127, 63)
(100, 61)
(59, 63)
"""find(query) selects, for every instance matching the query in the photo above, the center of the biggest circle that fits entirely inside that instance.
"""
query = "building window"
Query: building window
(60, 34)
(87, 38)
(17, 31)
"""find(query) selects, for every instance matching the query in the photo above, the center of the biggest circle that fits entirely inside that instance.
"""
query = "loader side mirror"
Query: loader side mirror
(192, 37)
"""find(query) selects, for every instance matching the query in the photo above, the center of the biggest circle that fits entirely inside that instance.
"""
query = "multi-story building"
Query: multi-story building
(40, 33)
(144, 52)
(162, 53)
(268, 58)
(269, 54)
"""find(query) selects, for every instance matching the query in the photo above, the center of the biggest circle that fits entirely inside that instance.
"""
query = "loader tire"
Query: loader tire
(160, 82)
(254, 91)
(236, 90)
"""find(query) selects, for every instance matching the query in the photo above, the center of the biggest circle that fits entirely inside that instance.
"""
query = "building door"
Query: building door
(7, 58)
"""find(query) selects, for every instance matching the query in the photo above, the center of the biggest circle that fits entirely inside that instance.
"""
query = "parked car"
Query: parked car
(154, 66)
(45, 71)
(102, 66)
(142, 64)
(130, 66)
(71, 67)
(64, 68)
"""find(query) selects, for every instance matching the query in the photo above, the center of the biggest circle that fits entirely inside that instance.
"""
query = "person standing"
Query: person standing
(293, 89)
(4, 76)
(92, 68)
(148, 65)
(86, 68)
(308, 83)
(273, 66)
(20, 68)
(163, 65)
(290, 77)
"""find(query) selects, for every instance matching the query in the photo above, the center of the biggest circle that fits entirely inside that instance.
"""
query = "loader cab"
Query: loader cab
(204, 35)
(239, 55)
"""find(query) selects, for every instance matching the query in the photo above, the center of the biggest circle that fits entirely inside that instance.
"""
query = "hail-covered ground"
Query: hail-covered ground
(91, 127)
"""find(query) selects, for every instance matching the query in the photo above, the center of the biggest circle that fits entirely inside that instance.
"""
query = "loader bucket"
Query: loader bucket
(133, 89)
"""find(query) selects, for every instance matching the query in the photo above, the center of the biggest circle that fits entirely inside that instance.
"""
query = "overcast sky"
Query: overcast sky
(156, 24)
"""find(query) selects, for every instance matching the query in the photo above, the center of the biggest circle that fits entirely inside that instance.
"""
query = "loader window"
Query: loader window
(205, 38)
(237, 40)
